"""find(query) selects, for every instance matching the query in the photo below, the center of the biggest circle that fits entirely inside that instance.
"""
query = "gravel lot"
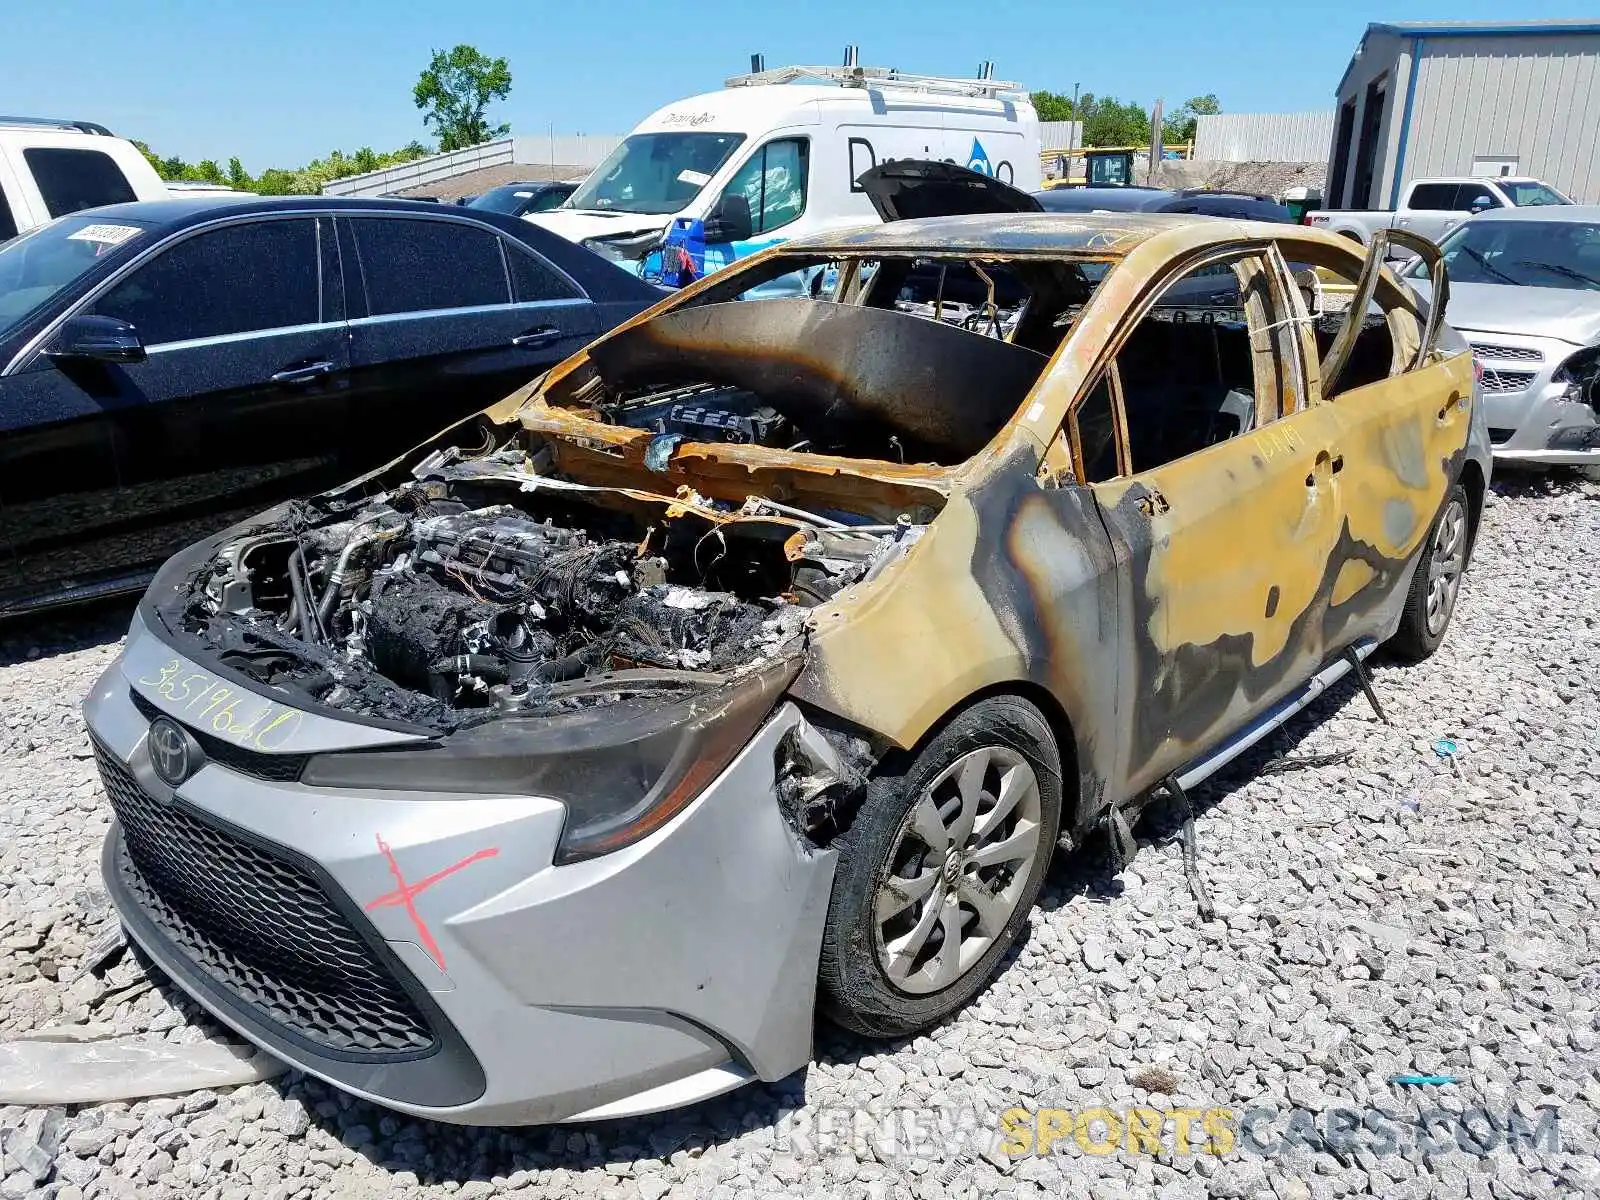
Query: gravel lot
(1389, 913)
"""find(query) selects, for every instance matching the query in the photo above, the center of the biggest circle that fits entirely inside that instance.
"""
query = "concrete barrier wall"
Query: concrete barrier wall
(573, 150)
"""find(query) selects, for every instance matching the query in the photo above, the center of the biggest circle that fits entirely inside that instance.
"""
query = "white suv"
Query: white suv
(50, 168)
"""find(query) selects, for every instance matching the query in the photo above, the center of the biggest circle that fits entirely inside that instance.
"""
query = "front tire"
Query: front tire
(1434, 587)
(940, 869)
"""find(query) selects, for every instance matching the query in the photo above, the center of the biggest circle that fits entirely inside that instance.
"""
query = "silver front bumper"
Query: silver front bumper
(1531, 419)
(655, 976)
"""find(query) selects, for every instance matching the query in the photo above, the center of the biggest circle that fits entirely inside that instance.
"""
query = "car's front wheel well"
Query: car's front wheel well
(866, 753)
(1060, 726)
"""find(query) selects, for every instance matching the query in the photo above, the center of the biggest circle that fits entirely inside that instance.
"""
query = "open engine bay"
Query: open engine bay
(476, 589)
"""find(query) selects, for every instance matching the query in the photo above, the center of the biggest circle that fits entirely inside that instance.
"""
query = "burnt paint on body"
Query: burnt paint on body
(1023, 589)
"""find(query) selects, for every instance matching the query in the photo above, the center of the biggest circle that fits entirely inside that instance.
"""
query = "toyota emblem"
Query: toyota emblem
(170, 751)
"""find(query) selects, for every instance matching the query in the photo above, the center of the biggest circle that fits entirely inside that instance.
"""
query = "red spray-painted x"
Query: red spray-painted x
(404, 895)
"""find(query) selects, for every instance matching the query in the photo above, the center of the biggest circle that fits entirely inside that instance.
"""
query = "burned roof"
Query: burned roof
(1108, 234)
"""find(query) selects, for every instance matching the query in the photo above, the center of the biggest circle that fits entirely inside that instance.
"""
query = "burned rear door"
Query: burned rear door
(1402, 410)
(1216, 481)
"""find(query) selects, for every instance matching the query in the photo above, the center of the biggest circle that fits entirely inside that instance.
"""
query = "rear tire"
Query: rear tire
(1437, 582)
(940, 869)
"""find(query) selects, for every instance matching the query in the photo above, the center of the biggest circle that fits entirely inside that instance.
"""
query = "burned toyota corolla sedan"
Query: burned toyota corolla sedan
(755, 660)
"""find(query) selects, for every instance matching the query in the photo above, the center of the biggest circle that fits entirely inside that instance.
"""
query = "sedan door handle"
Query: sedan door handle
(545, 335)
(302, 374)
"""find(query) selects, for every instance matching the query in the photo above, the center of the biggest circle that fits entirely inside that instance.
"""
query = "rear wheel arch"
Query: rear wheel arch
(1472, 479)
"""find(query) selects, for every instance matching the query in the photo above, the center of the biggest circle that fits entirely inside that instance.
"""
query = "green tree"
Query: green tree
(1181, 122)
(1108, 121)
(205, 171)
(455, 91)
(275, 181)
(278, 181)
(1052, 106)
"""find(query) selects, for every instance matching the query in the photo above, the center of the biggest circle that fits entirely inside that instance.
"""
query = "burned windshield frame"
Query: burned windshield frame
(653, 166)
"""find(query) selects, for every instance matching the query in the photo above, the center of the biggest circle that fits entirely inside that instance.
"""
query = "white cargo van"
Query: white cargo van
(776, 155)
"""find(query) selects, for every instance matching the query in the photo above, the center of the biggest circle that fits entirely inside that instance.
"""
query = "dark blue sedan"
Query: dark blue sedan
(169, 367)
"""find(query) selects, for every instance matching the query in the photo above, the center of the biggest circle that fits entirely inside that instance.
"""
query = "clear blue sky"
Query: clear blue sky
(284, 81)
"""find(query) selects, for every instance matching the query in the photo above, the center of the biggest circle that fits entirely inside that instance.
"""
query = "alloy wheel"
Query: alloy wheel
(1445, 562)
(957, 870)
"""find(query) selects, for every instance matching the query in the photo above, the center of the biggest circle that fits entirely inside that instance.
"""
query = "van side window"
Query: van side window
(774, 181)
(8, 223)
(70, 180)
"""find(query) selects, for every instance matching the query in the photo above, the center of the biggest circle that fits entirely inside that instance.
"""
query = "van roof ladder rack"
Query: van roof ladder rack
(53, 123)
(862, 77)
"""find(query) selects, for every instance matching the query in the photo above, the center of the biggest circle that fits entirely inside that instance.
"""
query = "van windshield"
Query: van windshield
(655, 172)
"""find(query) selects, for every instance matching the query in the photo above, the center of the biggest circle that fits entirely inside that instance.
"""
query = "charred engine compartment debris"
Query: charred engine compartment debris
(481, 589)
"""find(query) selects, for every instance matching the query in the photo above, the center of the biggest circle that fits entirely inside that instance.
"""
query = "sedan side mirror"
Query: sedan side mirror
(99, 339)
(729, 220)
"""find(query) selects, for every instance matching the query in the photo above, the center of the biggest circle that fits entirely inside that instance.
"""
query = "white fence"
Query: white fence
(1060, 135)
(566, 150)
(1264, 137)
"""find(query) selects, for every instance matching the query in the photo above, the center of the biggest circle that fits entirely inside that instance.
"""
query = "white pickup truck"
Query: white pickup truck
(1433, 207)
(50, 168)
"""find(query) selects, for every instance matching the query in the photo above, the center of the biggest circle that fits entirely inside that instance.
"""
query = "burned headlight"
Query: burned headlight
(623, 769)
(1581, 375)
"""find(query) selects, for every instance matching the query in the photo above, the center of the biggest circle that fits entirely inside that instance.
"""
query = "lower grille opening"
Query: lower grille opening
(260, 927)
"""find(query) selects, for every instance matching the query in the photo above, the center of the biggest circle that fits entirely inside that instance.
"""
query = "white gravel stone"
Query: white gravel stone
(1389, 914)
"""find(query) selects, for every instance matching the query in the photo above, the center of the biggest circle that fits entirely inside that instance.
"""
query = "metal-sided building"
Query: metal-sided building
(1422, 99)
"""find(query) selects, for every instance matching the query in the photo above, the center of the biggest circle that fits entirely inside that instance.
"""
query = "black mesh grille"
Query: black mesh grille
(1520, 353)
(274, 768)
(259, 926)
(1506, 381)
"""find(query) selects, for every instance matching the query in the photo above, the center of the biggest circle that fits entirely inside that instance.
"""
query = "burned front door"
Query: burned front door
(1220, 483)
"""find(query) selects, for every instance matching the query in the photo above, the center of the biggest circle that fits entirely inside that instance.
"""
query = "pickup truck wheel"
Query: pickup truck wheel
(940, 869)
(1437, 582)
